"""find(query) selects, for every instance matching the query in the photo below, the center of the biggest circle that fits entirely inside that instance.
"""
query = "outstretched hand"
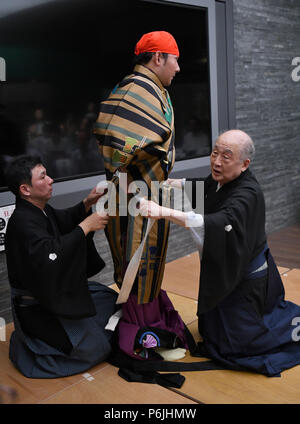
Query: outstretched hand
(150, 209)
(175, 182)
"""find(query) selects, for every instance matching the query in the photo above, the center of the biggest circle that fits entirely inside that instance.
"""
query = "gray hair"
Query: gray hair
(247, 148)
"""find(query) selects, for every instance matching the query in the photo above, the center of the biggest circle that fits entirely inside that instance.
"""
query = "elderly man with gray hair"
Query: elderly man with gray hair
(244, 320)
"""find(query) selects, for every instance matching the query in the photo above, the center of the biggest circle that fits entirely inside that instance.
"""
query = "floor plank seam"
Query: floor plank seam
(178, 392)
(71, 385)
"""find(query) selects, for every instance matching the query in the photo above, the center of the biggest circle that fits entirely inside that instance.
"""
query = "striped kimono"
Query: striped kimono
(135, 129)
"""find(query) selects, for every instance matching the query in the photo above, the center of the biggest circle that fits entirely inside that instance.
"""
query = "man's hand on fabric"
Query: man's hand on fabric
(150, 209)
(94, 222)
(176, 183)
(92, 199)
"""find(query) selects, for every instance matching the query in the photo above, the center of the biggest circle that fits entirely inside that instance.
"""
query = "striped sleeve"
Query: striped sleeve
(131, 119)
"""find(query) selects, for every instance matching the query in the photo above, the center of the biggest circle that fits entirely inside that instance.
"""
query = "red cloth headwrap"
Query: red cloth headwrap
(157, 41)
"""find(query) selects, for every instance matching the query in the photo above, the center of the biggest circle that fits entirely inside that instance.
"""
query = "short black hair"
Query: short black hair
(19, 171)
(144, 58)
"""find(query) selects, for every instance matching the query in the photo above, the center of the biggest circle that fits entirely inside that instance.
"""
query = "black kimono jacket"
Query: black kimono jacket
(244, 319)
(50, 256)
(234, 219)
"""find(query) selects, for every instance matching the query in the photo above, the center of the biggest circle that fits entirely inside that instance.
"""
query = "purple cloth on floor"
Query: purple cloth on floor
(159, 313)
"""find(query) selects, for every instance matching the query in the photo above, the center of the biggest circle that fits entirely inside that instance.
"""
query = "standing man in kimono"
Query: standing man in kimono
(59, 316)
(244, 320)
(135, 129)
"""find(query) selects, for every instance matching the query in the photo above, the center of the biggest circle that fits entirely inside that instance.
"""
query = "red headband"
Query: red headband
(157, 41)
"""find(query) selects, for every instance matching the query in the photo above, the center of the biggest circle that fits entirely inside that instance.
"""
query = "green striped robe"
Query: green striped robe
(135, 129)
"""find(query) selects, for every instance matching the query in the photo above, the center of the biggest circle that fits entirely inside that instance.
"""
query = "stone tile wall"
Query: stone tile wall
(266, 39)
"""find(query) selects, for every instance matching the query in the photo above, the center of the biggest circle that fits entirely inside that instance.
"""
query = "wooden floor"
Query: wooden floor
(285, 246)
(102, 385)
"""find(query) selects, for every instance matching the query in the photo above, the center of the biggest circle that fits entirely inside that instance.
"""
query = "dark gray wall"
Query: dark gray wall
(266, 39)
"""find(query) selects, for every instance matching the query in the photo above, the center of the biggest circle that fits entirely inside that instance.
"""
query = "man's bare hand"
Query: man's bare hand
(150, 209)
(94, 222)
(176, 183)
(91, 199)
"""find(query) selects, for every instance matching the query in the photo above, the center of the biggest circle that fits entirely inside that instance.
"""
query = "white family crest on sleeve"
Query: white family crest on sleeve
(228, 228)
(52, 256)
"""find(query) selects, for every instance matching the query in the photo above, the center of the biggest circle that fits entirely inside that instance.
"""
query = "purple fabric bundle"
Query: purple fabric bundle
(159, 313)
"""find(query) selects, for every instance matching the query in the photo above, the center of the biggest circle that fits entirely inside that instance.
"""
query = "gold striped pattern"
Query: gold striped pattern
(135, 129)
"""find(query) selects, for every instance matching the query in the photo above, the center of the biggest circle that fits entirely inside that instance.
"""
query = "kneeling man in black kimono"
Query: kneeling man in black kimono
(245, 322)
(59, 316)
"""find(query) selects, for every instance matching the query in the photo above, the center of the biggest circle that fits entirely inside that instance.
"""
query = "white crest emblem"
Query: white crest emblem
(52, 256)
(228, 228)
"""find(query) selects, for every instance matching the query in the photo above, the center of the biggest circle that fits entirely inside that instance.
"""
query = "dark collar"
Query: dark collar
(233, 183)
(24, 204)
